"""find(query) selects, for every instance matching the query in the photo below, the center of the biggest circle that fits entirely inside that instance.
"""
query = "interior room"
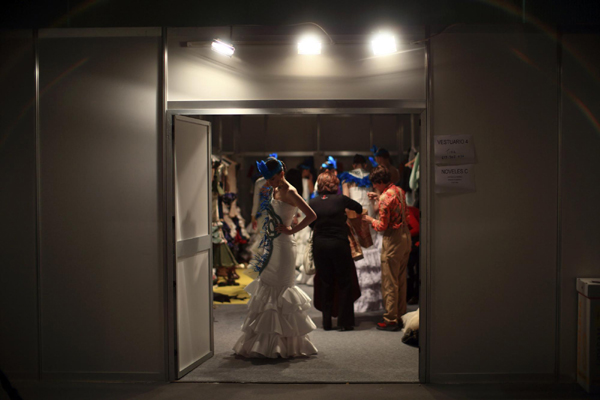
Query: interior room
(305, 142)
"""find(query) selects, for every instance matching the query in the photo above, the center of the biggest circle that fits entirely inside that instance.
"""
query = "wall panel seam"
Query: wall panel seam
(559, 62)
(38, 222)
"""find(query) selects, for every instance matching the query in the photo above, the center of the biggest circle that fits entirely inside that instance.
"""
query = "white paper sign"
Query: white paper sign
(454, 178)
(451, 149)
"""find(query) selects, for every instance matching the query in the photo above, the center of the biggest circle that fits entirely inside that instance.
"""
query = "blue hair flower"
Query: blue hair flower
(274, 155)
(266, 172)
(373, 162)
(331, 163)
(374, 149)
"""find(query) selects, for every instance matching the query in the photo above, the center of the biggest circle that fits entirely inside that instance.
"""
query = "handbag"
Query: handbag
(355, 248)
(361, 228)
(308, 261)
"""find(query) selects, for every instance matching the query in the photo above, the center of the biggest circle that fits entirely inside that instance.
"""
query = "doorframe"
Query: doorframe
(299, 107)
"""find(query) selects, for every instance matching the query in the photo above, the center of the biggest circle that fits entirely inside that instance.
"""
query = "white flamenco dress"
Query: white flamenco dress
(277, 324)
(368, 268)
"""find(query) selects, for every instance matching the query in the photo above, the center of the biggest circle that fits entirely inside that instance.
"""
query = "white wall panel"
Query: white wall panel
(18, 281)
(102, 272)
(277, 72)
(493, 265)
(580, 190)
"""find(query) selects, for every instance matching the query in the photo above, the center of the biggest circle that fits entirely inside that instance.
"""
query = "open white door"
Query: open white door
(193, 245)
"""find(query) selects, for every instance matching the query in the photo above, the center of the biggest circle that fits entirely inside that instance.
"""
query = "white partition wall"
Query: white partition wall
(494, 251)
(580, 218)
(18, 280)
(101, 263)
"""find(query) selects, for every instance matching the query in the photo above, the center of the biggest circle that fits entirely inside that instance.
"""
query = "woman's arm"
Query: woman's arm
(352, 205)
(294, 198)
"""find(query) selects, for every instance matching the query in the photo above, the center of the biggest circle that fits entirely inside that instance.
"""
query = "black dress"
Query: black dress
(333, 259)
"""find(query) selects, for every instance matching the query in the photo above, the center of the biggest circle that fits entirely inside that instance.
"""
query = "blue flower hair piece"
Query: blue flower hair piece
(266, 172)
(274, 155)
(331, 163)
(373, 162)
(374, 149)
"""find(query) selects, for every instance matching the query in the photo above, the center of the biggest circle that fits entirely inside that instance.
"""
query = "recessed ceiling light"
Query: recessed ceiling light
(383, 43)
(309, 45)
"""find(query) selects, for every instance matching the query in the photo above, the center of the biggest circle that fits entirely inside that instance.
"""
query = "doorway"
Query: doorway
(223, 366)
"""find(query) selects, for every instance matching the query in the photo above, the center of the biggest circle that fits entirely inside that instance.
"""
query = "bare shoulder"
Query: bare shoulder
(289, 192)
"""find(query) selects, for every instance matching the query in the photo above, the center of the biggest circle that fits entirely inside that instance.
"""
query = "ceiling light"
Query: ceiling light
(222, 47)
(383, 43)
(309, 45)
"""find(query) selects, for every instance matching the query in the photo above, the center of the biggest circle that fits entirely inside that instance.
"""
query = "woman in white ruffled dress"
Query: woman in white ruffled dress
(356, 185)
(277, 324)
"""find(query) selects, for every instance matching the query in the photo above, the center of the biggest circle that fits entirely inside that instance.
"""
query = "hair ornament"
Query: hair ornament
(331, 163)
(374, 150)
(266, 172)
(274, 155)
(373, 162)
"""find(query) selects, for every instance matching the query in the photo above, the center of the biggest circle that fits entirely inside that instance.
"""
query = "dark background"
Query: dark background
(338, 16)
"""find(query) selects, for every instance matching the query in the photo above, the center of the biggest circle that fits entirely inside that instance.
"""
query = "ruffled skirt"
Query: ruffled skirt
(369, 278)
(277, 324)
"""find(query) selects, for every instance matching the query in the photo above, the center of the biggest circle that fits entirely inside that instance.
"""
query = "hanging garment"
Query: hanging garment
(412, 197)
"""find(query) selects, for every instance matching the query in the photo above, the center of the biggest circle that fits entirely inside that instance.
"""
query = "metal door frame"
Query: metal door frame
(306, 107)
(171, 254)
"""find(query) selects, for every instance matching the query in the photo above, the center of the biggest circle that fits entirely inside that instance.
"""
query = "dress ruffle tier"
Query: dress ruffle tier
(277, 324)
(368, 270)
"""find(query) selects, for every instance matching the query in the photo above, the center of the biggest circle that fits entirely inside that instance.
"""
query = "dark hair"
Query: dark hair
(327, 183)
(359, 159)
(383, 153)
(380, 175)
(273, 164)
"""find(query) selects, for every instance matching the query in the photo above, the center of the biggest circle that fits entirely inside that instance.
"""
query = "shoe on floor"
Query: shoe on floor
(345, 328)
(389, 326)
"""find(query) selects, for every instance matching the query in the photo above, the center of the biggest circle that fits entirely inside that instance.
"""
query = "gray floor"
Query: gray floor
(364, 355)
(189, 391)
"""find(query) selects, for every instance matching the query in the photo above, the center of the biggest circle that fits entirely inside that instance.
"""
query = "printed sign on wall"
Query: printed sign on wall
(454, 178)
(453, 149)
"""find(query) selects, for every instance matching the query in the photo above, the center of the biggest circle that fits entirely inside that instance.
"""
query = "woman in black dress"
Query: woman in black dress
(336, 273)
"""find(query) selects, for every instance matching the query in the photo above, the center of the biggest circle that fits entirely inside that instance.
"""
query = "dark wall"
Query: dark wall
(18, 281)
(338, 16)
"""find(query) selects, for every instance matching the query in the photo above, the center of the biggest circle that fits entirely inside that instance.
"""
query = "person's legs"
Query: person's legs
(390, 269)
(325, 269)
(344, 265)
